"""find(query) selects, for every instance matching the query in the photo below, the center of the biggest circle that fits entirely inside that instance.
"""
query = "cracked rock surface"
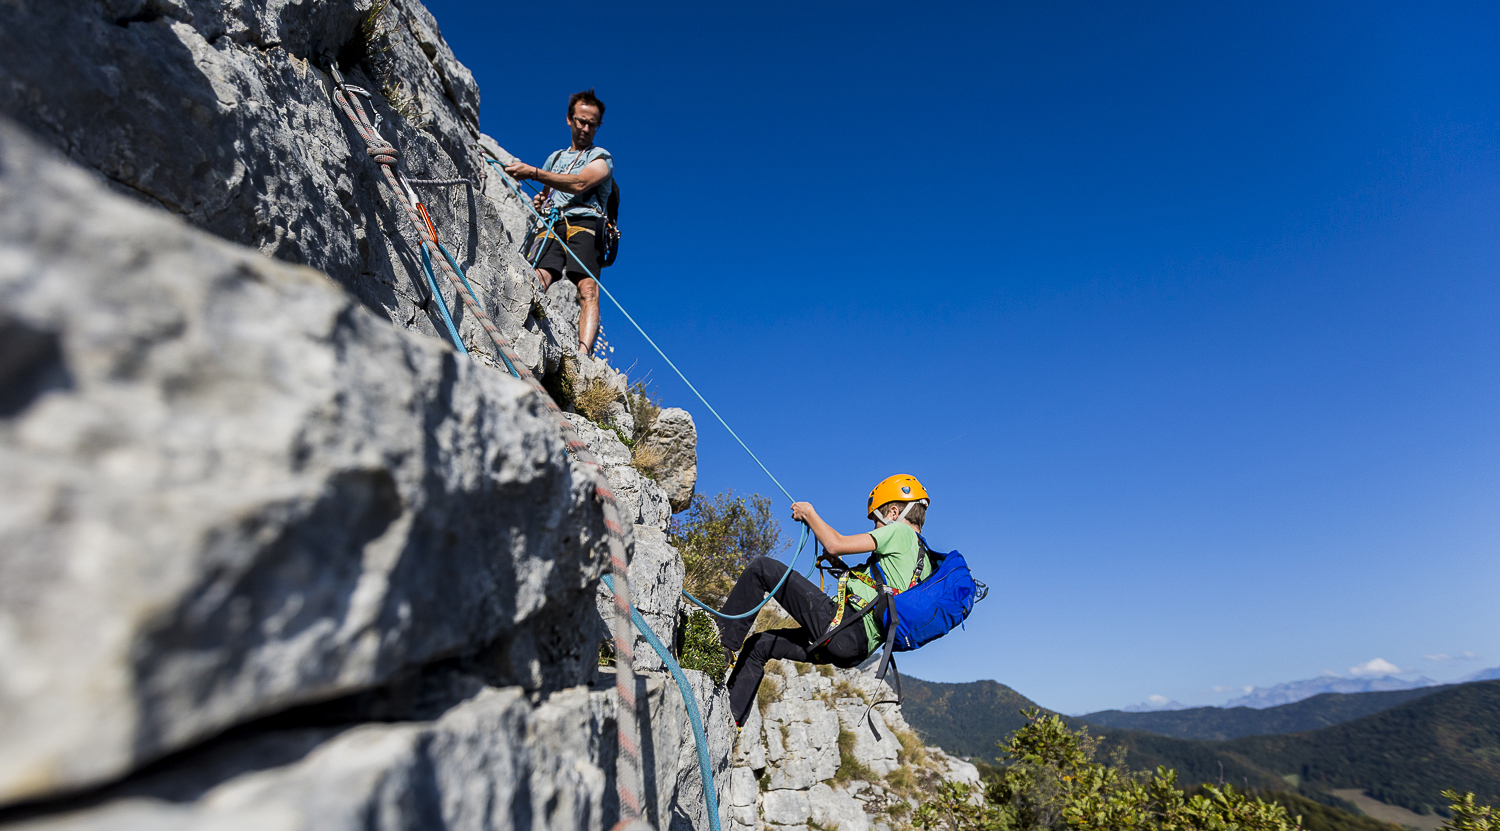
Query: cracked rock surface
(816, 753)
(221, 112)
(230, 489)
(272, 553)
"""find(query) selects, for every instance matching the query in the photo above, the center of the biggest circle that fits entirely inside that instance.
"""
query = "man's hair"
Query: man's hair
(917, 516)
(585, 97)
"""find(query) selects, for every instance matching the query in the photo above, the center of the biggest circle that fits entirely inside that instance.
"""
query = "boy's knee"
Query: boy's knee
(758, 648)
(761, 565)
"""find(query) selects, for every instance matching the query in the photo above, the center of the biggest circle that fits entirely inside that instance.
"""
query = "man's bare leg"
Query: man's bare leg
(546, 276)
(588, 315)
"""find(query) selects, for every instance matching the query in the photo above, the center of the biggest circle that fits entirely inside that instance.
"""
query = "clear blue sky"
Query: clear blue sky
(1187, 314)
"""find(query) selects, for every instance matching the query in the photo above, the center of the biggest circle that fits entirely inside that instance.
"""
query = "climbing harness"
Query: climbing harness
(845, 600)
(630, 775)
(927, 609)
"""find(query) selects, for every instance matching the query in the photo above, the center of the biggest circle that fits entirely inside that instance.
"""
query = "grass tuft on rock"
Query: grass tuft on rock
(644, 405)
(913, 752)
(593, 399)
(647, 460)
(770, 686)
(850, 768)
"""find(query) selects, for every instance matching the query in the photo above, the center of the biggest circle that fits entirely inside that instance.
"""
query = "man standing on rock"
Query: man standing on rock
(578, 182)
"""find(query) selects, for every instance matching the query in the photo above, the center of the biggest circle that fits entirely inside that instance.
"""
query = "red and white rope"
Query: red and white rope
(629, 774)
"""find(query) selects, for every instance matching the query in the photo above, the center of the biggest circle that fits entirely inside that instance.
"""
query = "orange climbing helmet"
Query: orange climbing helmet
(898, 488)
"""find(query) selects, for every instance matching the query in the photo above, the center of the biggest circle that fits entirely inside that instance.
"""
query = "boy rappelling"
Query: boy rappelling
(830, 630)
(579, 181)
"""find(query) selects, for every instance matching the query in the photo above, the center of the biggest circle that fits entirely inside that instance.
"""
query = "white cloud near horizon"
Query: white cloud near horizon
(1157, 700)
(1465, 655)
(1375, 667)
(1237, 688)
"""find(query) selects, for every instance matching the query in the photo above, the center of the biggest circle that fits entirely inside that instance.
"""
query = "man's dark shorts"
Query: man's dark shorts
(581, 241)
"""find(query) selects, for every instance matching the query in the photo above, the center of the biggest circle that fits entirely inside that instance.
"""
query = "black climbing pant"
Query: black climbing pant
(811, 608)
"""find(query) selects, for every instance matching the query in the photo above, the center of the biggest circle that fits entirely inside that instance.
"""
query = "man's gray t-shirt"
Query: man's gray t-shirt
(590, 202)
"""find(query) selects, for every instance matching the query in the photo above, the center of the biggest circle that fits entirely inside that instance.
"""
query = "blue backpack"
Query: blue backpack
(934, 607)
(922, 613)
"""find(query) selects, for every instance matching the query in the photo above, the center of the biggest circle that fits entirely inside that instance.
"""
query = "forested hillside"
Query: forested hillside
(1219, 723)
(969, 719)
(1403, 755)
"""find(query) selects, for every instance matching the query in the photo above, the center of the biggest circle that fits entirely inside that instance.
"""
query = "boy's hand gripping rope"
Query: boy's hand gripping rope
(629, 776)
(802, 542)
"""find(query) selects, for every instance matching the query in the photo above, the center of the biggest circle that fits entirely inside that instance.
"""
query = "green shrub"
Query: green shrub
(1466, 816)
(719, 537)
(1051, 780)
(700, 647)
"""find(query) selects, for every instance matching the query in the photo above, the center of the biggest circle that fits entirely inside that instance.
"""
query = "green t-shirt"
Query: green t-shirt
(899, 554)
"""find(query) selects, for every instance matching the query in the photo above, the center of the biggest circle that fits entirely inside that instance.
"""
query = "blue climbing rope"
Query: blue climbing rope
(522, 196)
(437, 297)
(802, 543)
(705, 770)
(464, 277)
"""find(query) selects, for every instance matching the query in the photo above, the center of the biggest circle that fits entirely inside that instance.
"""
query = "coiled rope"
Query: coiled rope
(629, 777)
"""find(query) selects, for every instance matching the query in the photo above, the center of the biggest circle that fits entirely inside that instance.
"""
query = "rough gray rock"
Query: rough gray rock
(656, 573)
(792, 746)
(802, 739)
(229, 489)
(785, 807)
(835, 808)
(674, 435)
(494, 761)
(642, 501)
(221, 113)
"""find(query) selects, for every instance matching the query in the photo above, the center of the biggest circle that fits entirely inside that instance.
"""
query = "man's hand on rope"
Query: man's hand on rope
(520, 170)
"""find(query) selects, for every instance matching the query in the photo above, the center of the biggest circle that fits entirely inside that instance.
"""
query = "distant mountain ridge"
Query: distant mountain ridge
(1221, 723)
(1154, 704)
(1405, 755)
(965, 719)
(1293, 691)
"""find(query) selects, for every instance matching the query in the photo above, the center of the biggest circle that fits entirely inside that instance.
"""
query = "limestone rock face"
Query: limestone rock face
(789, 765)
(243, 488)
(835, 808)
(656, 573)
(230, 489)
(221, 113)
(675, 436)
(642, 501)
(482, 764)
